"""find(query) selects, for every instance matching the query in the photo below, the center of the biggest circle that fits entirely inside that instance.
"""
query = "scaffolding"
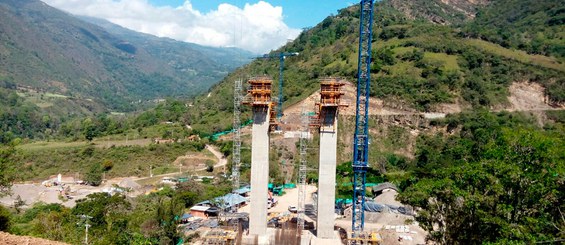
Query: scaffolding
(302, 168)
(330, 101)
(236, 160)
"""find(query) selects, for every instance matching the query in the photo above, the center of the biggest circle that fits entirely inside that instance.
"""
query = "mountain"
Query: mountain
(419, 64)
(176, 53)
(467, 124)
(46, 50)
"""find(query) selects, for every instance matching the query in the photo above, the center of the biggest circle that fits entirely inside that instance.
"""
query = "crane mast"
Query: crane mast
(282, 56)
(361, 137)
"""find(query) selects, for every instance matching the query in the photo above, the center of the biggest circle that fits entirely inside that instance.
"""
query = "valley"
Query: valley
(465, 137)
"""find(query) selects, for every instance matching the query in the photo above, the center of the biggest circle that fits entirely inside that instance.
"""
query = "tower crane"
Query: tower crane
(361, 136)
(282, 56)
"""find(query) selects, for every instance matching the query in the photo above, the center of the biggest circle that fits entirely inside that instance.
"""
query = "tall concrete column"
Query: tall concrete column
(326, 175)
(259, 170)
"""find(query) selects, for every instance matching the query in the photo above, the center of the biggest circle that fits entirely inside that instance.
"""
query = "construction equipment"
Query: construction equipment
(361, 136)
(282, 56)
(370, 238)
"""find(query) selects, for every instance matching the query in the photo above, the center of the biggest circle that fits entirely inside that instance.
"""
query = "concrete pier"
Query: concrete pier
(326, 177)
(259, 171)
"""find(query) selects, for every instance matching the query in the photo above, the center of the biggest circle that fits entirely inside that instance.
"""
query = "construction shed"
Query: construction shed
(199, 211)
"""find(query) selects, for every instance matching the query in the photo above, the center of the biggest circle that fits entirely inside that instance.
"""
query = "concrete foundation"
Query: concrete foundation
(326, 177)
(333, 240)
(259, 172)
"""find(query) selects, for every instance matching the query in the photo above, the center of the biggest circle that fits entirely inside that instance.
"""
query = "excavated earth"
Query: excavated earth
(9, 239)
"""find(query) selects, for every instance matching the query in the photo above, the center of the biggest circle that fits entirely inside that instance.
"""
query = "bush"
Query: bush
(94, 176)
(5, 217)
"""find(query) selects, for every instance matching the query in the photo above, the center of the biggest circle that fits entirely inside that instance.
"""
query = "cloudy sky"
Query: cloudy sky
(257, 26)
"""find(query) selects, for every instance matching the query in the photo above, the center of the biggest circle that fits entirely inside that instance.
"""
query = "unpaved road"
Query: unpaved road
(32, 193)
(222, 161)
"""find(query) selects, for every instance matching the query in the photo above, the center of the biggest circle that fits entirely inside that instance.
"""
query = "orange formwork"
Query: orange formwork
(331, 92)
(330, 100)
(259, 91)
(259, 95)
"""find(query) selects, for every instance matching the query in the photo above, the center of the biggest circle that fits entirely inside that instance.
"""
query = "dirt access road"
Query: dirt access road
(32, 193)
(222, 161)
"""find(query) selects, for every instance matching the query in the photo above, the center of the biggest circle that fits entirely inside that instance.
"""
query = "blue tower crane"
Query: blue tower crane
(361, 137)
(282, 56)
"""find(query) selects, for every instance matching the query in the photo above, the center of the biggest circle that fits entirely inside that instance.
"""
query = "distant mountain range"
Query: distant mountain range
(45, 50)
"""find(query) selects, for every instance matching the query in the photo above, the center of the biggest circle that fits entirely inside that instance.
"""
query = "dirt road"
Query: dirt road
(222, 161)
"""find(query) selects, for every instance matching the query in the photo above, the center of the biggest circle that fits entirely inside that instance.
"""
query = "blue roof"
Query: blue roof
(185, 216)
(243, 190)
(229, 200)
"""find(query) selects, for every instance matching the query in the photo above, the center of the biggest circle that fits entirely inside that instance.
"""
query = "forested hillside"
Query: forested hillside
(47, 50)
(56, 68)
(485, 173)
(416, 63)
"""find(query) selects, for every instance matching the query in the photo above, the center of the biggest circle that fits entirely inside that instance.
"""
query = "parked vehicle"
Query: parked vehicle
(292, 209)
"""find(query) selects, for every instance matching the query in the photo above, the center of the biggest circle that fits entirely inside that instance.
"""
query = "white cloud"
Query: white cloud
(256, 27)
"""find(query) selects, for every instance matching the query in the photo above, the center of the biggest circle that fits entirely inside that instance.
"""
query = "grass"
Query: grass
(518, 55)
(51, 145)
(43, 159)
(51, 95)
(41, 100)
(399, 51)
(404, 68)
(449, 61)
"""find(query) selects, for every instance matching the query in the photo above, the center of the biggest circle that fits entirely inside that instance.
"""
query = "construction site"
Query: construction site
(309, 213)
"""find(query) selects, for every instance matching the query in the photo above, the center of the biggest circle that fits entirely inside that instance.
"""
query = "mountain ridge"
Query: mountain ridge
(48, 49)
(417, 64)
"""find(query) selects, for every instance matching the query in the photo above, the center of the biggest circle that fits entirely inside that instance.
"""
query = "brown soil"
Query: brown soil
(9, 239)
(528, 96)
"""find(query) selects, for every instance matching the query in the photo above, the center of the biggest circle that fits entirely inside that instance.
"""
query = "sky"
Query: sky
(257, 26)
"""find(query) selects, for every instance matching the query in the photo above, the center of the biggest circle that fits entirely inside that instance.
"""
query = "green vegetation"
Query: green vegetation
(7, 164)
(95, 68)
(150, 219)
(91, 161)
(476, 177)
(533, 26)
(416, 63)
(22, 119)
(497, 180)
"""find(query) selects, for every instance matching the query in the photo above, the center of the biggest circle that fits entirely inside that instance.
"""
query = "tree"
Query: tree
(7, 154)
(512, 192)
(94, 175)
(88, 129)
